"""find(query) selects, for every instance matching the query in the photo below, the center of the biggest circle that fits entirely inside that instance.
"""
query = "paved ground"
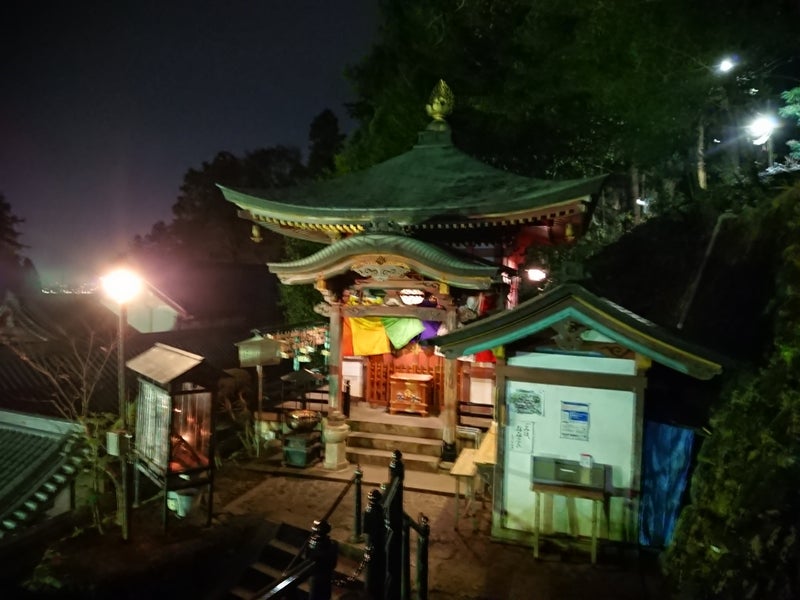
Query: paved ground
(465, 563)
(194, 561)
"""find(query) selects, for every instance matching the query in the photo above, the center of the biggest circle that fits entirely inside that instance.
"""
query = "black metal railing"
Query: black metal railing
(387, 553)
(388, 550)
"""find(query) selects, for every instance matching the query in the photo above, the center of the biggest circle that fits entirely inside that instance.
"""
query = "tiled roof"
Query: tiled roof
(39, 457)
(432, 179)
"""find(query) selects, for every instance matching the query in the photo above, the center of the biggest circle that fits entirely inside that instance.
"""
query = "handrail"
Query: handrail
(386, 555)
(290, 582)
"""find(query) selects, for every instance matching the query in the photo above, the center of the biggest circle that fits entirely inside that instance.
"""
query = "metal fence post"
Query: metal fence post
(394, 528)
(358, 535)
(375, 550)
(324, 553)
(422, 557)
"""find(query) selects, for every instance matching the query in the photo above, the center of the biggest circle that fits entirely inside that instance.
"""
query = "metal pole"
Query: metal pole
(123, 412)
(257, 426)
(357, 536)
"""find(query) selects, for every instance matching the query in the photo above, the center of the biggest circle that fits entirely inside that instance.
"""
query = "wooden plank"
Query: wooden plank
(465, 464)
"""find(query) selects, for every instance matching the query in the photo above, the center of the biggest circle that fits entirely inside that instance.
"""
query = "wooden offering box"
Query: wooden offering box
(410, 393)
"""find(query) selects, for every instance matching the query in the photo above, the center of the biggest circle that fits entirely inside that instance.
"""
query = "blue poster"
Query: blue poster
(575, 421)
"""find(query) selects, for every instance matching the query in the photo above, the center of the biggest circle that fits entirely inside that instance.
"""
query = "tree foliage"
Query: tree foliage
(205, 226)
(565, 89)
(791, 110)
(298, 301)
(17, 272)
(325, 142)
(72, 377)
(738, 537)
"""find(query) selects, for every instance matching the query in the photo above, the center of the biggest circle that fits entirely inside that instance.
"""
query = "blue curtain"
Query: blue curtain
(666, 458)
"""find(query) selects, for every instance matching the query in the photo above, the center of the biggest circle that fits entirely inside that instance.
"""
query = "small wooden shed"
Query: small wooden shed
(571, 375)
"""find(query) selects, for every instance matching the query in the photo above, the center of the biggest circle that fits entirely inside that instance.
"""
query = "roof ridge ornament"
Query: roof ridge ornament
(440, 104)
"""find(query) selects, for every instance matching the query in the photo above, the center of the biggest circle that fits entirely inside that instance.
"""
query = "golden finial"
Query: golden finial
(440, 104)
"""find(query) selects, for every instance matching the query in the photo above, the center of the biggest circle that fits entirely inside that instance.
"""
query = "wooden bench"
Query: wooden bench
(466, 469)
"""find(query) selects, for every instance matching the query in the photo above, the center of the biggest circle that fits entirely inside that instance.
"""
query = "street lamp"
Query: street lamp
(726, 64)
(536, 274)
(760, 130)
(122, 286)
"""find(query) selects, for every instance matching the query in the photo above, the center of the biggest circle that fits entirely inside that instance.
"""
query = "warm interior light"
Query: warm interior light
(536, 274)
(412, 297)
(122, 285)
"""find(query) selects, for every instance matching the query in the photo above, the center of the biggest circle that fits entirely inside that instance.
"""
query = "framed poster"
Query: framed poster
(527, 402)
(575, 421)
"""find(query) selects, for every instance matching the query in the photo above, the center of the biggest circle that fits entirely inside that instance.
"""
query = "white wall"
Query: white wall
(609, 439)
(145, 318)
(353, 371)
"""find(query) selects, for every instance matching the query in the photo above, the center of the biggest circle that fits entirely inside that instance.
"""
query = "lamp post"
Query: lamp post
(122, 285)
(761, 130)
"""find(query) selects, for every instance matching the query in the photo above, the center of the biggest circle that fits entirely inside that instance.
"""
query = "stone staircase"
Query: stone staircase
(275, 557)
(419, 440)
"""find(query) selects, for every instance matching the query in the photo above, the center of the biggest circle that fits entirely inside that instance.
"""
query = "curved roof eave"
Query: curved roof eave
(574, 302)
(427, 259)
(501, 202)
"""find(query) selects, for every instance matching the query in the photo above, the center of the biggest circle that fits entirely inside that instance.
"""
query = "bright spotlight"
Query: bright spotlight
(536, 274)
(725, 65)
(761, 128)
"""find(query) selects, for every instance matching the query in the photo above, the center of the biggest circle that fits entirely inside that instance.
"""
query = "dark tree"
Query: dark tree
(738, 537)
(205, 226)
(568, 89)
(12, 273)
(325, 142)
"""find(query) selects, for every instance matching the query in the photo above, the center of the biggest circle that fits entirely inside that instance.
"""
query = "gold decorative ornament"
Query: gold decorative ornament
(255, 234)
(440, 104)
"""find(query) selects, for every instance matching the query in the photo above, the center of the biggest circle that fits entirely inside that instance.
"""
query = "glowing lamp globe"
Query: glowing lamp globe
(761, 128)
(122, 285)
(537, 275)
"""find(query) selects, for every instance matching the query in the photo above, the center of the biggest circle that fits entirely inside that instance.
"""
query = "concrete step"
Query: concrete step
(412, 462)
(422, 430)
(386, 441)
(276, 556)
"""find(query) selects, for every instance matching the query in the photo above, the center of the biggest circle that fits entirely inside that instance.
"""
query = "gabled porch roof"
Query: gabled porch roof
(575, 303)
(387, 249)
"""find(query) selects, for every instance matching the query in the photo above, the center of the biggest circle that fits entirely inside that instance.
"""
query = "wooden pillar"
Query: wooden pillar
(335, 358)
(449, 412)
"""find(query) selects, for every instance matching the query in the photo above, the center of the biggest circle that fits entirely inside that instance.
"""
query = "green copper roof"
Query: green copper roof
(432, 180)
(375, 251)
(575, 303)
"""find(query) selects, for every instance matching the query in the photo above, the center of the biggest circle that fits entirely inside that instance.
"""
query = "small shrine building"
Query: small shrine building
(415, 246)
(570, 416)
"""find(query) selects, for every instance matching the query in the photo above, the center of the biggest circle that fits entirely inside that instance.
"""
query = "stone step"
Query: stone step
(412, 462)
(399, 429)
(276, 556)
(388, 441)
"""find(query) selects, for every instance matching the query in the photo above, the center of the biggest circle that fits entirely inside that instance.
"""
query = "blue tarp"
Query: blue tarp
(666, 458)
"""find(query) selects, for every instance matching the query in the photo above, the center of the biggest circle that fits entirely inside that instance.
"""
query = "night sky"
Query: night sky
(105, 105)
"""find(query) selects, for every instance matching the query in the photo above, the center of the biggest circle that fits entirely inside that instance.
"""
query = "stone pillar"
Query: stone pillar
(335, 358)
(449, 412)
(335, 432)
